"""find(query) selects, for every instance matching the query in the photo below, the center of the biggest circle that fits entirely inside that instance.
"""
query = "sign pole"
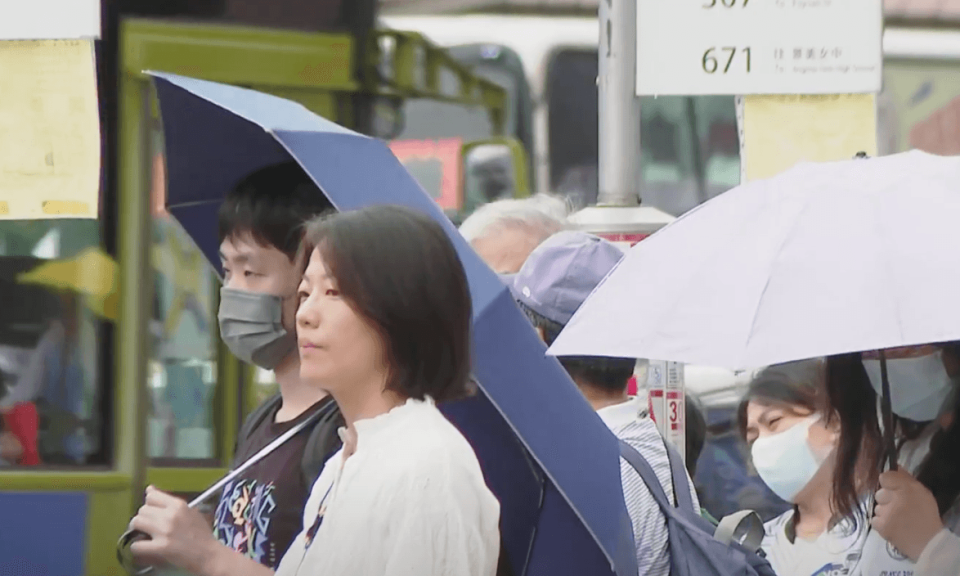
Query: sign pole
(618, 216)
(619, 107)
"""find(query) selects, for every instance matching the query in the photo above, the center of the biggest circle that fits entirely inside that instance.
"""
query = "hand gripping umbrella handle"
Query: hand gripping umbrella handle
(124, 555)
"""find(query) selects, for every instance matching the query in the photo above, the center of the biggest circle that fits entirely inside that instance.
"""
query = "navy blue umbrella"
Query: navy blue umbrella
(545, 453)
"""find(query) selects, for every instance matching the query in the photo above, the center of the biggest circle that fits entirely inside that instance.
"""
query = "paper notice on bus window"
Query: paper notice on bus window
(49, 19)
(49, 130)
(780, 131)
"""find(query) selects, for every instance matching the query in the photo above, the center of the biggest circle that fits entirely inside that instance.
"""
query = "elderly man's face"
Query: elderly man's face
(506, 250)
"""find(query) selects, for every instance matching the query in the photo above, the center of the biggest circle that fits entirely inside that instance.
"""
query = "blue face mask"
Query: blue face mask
(919, 387)
(785, 461)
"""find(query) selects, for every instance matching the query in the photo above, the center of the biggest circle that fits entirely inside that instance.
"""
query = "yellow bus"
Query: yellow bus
(118, 363)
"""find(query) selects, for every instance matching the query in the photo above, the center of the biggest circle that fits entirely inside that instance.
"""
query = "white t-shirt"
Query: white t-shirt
(411, 501)
(834, 553)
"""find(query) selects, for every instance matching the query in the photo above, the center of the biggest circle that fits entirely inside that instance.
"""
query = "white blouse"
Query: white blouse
(411, 501)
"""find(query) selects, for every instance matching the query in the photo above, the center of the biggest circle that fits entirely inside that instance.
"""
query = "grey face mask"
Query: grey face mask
(251, 327)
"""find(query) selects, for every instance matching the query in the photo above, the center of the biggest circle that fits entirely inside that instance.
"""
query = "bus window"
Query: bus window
(183, 359)
(424, 118)
(572, 125)
(489, 176)
(716, 122)
(428, 123)
(431, 119)
(689, 145)
(58, 286)
(443, 122)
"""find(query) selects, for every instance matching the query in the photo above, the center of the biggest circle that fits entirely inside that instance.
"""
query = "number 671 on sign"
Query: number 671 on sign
(720, 60)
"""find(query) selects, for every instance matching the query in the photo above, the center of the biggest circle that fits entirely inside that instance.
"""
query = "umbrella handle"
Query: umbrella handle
(125, 556)
(889, 442)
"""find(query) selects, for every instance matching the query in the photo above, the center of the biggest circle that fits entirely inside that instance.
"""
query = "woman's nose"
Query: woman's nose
(307, 314)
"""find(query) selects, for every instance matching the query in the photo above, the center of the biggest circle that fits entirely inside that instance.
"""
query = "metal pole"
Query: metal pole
(619, 107)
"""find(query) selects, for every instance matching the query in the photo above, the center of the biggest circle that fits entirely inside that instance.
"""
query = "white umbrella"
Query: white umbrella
(823, 259)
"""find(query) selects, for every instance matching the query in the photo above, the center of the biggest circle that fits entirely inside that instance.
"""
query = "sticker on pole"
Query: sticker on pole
(674, 388)
(701, 47)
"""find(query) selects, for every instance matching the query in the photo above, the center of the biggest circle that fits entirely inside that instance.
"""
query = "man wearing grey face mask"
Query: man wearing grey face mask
(260, 513)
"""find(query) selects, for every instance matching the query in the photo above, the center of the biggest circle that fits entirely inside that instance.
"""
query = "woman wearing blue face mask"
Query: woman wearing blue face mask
(793, 444)
(923, 393)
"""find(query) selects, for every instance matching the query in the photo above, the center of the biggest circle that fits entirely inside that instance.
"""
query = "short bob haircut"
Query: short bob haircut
(398, 269)
(271, 205)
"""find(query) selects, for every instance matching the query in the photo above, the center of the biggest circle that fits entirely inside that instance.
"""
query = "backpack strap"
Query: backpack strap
(745, 522)
(752, 563)
(253, 421)
(731, 525)
(322, 443)
(649, 477)
(681, 485)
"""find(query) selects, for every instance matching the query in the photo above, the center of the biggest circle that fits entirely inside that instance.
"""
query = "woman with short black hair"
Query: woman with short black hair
(384, 326)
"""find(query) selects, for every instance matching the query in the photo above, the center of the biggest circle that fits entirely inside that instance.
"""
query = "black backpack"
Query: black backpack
(323, 442)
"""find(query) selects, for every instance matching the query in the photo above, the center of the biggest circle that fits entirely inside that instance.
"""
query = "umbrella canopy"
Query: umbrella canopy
(91, 274)
(545, 453)
(822, 259)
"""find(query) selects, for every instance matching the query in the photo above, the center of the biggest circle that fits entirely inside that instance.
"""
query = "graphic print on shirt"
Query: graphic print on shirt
(242, 520)
(835, 569)
(836, 553)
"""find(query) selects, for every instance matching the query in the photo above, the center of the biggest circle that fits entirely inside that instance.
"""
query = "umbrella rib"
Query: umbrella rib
(679, 294)
(808, 201)
(890, 274)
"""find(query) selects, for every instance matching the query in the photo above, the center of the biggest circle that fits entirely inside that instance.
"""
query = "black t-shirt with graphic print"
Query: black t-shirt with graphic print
(260, 513)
